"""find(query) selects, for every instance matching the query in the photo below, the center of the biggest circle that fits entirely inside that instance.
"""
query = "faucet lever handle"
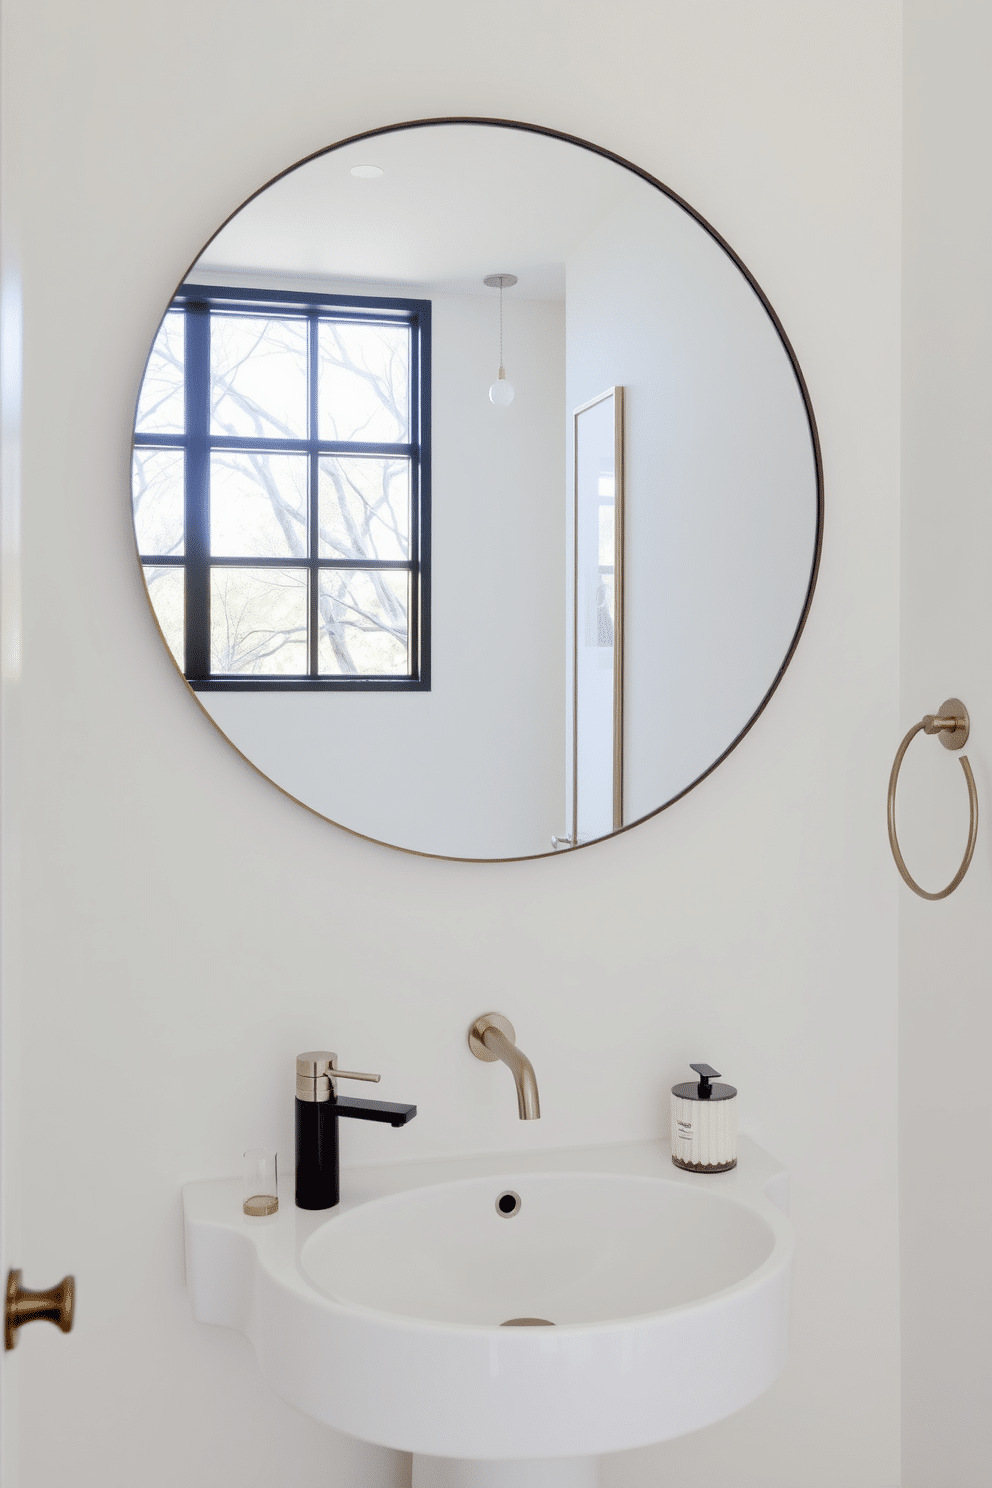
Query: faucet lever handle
(337, 1074)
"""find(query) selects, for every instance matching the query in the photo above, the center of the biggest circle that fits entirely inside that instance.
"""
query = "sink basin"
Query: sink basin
(579, 1249)
(666, 1294)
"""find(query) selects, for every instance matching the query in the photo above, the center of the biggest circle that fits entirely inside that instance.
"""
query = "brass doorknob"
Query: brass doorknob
(55, 1306)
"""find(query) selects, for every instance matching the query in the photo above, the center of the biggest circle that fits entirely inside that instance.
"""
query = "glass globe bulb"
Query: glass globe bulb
(501, 392)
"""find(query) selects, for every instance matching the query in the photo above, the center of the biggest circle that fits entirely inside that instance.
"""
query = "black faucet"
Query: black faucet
(318, 1108)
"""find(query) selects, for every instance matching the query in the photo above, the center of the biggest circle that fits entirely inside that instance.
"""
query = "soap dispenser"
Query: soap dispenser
(704, 1123)
(318, 1109)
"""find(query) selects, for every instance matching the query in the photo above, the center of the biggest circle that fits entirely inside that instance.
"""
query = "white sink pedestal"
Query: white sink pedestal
(537, 1472)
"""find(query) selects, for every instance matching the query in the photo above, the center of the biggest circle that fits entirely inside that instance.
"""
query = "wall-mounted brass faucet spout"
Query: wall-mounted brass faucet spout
(491, 1037)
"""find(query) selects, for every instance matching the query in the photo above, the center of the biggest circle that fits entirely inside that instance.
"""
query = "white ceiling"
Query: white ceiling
(454, 203)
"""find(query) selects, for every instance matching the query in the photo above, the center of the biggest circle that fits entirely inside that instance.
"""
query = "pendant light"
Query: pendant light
(501, 392)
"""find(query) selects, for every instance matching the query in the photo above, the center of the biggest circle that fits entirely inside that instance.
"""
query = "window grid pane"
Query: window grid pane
(273, 377)
(258, 376)
(162, 400)
(363, 507)
(364, 622)
(258, 622)
(258, 504)
(157, 496)
(167, 591)
(363, 382)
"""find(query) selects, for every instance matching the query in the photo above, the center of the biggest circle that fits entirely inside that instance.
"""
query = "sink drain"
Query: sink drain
(527, 1323)
(508, 1204)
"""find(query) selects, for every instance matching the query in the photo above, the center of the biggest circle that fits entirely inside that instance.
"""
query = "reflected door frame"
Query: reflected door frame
(616, 395)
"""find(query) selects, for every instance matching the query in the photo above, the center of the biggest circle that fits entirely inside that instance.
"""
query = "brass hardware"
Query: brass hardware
(952, 725)
(260, 1205)
(315, 1071)
(479, 1027)
(57, 1306)
(491, 1037)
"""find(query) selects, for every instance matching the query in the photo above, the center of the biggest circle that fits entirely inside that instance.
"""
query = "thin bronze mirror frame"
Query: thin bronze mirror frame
(582, 144)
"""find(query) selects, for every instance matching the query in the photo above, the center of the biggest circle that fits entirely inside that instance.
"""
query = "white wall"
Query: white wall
(474, 767)
(185, 930)
(945, 948)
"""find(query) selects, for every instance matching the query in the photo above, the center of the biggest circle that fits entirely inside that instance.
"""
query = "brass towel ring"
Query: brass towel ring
(953, 725)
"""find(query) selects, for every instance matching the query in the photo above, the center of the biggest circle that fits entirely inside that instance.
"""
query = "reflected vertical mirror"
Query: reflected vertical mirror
(595, 675)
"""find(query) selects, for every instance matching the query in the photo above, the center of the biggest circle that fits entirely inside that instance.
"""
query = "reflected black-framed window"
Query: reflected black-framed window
(281, 489)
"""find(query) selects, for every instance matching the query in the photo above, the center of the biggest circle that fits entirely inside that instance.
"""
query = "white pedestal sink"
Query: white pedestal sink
(385, 1317)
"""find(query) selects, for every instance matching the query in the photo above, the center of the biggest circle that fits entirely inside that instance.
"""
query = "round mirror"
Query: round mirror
(476, 489)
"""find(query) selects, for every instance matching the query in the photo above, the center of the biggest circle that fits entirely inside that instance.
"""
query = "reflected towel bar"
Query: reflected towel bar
(953, 726)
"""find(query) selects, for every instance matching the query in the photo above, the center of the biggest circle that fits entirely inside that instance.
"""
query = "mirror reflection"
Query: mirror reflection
(475, 489)
(595, 672)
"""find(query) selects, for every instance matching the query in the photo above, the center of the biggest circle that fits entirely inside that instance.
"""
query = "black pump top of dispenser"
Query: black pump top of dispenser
(705, 1090)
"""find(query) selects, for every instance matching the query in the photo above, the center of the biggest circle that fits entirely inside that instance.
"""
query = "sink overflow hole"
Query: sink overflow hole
(527, 1323)
(507, 1205)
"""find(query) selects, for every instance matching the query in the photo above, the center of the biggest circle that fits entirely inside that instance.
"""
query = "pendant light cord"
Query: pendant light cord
(501, 391)
(501, 322)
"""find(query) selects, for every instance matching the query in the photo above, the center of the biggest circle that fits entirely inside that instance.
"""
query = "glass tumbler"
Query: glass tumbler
(261, 1193)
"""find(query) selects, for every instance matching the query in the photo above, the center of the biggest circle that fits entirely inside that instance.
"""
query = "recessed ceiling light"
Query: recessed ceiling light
(366, 172)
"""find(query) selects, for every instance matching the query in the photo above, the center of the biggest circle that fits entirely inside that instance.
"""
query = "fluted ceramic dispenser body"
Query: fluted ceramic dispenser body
(704, 1123)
